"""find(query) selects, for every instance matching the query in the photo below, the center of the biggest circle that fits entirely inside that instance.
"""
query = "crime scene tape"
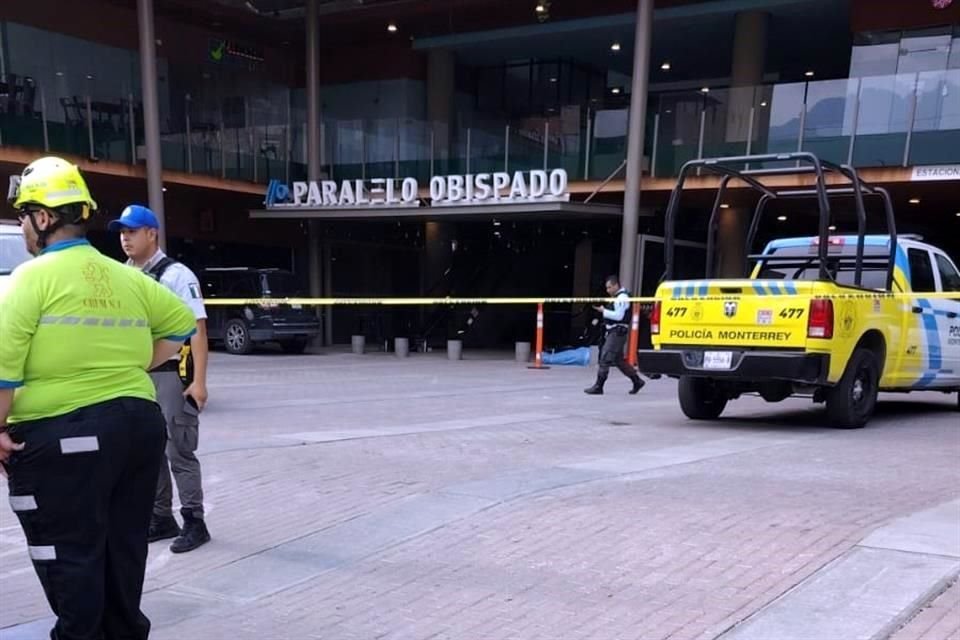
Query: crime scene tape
(331, 302)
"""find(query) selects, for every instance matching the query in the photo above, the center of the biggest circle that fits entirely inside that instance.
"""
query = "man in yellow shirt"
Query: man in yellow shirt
(81, 435)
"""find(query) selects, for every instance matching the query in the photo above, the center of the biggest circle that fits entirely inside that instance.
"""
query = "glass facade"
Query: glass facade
(899, 107)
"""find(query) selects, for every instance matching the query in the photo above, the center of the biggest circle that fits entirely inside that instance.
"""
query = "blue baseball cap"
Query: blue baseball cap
(134, 217)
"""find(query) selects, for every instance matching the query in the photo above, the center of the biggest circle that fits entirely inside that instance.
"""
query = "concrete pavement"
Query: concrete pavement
(367, 497)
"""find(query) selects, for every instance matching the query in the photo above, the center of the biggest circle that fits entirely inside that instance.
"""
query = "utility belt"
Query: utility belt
(183, 366)
(619, 329)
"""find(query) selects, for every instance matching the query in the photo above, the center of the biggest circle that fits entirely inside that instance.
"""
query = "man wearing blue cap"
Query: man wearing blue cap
(181, 385)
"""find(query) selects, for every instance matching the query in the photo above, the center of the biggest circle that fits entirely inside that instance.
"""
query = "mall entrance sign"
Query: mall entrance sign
(444, 191)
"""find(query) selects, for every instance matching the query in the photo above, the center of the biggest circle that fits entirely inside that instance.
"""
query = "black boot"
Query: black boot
(162, 527)
(194, 534)
(637, 385)
(597, 388)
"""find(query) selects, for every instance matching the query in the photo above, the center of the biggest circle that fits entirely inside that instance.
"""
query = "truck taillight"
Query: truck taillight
(820, 321)
(655, 319)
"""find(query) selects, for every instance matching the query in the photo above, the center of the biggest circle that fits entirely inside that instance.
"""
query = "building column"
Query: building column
(314, 248)
(732, 242)
(441, 95)
(582, 271)
(749, 61)
(151, 113)
(638, 115)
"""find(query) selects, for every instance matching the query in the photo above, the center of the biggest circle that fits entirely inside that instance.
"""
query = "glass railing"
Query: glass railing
(898, 120)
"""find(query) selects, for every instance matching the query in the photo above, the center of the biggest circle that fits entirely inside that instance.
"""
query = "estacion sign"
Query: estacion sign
(451, 190)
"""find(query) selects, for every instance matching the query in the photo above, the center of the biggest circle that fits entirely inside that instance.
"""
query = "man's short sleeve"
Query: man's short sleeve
(170, 318)
(20, 310)
(182, 281)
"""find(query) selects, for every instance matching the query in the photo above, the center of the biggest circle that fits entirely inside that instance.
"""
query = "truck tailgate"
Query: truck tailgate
(735, 313)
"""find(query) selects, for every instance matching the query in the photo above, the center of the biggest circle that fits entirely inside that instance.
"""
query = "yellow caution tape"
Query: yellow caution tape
(395, 302)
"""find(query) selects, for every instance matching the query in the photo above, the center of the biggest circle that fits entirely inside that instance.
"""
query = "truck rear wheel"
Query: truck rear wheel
(701, 399)
(851, 403)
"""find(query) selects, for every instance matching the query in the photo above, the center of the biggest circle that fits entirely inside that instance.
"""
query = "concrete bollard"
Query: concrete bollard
(454, 349)
(523, 352)
(401, 347)
(358, 344)
(594, 355)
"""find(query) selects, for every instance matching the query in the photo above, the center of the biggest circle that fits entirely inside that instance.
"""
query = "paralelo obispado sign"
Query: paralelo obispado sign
(451, 190)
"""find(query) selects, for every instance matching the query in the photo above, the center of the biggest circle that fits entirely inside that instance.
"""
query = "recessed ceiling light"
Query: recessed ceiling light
(914, 200)
(540, 7)
(782, 218)
(958, 214)
(89, 76)
(615, 90)
(496, 223)
(615, 46)
(665, 66)
(809, 74)
(59, 74)
(724, 206)
(553, 79)
(705, 90)
(832, 227)
(164, 189)
(763, 104)
(392, 27)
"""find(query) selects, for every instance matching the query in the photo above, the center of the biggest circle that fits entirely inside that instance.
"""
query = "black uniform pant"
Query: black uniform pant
(612, 354)
(83, 490)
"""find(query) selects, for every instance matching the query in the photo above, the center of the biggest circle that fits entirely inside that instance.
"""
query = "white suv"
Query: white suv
(12, 250)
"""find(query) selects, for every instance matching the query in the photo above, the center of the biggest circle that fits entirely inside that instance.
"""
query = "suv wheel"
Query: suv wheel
(236, 338)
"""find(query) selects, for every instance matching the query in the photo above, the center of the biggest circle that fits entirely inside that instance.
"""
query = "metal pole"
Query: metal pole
(90, 129)
(803, 126)
(223, 149)
(588, 147)
(151, 114)
(432, 149)
(913, 116)
(546, 144)
(396, 153)
(190, 136)
(133, 129)
(638, 110)
(254, 152)
(43, 117)
(288, 142)
(363, 153)
(703, 127)
(856, 122)
(656, 141)
(313, 146)
(506, 149)
(469, 144)
(753, 115)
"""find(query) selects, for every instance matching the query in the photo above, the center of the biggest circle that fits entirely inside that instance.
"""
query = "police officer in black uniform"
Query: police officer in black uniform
(617, 330)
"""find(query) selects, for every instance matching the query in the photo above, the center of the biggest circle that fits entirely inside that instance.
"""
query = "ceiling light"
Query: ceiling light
(809, 74)
(615, 90)
(392, 27)
(553, 79)
(496, 223)
(164, 189)
(782, 218)
(705, 90)
(914, 200)
(724, 206)
(540, 7)
(832, 227)
(59, 74)
(665, 66)
(958, 214)
(89, 77)
(615, 46)
(763, 104)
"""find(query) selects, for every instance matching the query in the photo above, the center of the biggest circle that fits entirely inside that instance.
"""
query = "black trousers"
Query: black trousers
(83, 489)
(612, 354)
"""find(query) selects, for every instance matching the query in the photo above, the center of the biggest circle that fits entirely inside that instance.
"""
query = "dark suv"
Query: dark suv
(240, 328)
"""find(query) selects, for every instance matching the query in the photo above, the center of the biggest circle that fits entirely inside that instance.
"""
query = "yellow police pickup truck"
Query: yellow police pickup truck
(838, 317)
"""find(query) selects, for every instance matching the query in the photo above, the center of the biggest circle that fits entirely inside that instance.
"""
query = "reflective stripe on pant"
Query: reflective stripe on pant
(612, 354)
(183, 431)
(83, 489)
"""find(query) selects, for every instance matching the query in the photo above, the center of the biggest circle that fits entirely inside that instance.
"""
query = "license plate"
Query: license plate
(717, 359)
(296, 306)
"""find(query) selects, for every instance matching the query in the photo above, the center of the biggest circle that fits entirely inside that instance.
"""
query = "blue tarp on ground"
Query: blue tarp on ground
(578, 357)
